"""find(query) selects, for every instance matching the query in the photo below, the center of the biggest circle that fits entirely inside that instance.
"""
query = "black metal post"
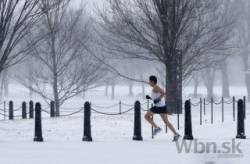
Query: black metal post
(24, 110)
(31, 109)
(137, 122)
(188, 122)
(240, 121)
(244, 107)
(38, 123)
(11, 111)
(87, 123)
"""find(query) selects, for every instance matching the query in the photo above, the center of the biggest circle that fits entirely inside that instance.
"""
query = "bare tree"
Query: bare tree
(223, 66)
(17, 18)
(4, 84)
(180, 34)
(208, 76)
(243, 7)
(195, 77)
(30, 65)
(62, 60)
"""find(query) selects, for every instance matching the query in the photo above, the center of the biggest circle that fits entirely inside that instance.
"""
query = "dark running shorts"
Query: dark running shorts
(159, 110)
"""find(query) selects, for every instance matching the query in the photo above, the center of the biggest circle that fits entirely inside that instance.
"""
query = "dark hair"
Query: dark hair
(153, 79)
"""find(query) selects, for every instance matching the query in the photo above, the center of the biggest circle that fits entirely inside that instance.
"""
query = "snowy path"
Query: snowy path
(112, 137)
(112, 142)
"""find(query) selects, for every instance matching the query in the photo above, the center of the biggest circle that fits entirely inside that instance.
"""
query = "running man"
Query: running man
(158, 97)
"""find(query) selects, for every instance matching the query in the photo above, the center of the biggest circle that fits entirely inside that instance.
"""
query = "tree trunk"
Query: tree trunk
(56, 96)
(5, 84)
(245, 59)
(209, 90)
(55, 74)
(208, 77)
(143, 91)
(247, 80)
(2, 86)
(225, 81)
(84, 94)
(130, 85)
(30, 82)
(143, 87)
(6, 88)
(113, 90)
(173, 94)
(196, 84)
(55, 80)
(174, 84)
(106, 89)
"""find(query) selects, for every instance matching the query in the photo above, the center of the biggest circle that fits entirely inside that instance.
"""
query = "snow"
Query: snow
(112, 136)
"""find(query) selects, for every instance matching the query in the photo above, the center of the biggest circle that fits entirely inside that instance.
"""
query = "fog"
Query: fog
(122, 44)
(130, 70)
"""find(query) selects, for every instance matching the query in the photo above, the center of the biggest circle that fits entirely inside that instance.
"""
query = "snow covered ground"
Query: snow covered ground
(112, 136)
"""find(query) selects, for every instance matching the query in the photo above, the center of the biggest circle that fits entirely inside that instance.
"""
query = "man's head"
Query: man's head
(152, 80)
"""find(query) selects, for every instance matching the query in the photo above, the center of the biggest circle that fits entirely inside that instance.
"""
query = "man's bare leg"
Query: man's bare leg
(164, 117)
(149, 117)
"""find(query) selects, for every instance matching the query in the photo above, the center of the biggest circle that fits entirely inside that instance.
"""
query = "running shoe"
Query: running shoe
(176, 137)
(156, 131)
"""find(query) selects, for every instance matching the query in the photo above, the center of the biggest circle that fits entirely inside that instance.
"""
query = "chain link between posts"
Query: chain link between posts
(216, 102)
(94, 108)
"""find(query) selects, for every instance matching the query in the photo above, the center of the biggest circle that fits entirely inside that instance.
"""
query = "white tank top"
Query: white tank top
(155, 95)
